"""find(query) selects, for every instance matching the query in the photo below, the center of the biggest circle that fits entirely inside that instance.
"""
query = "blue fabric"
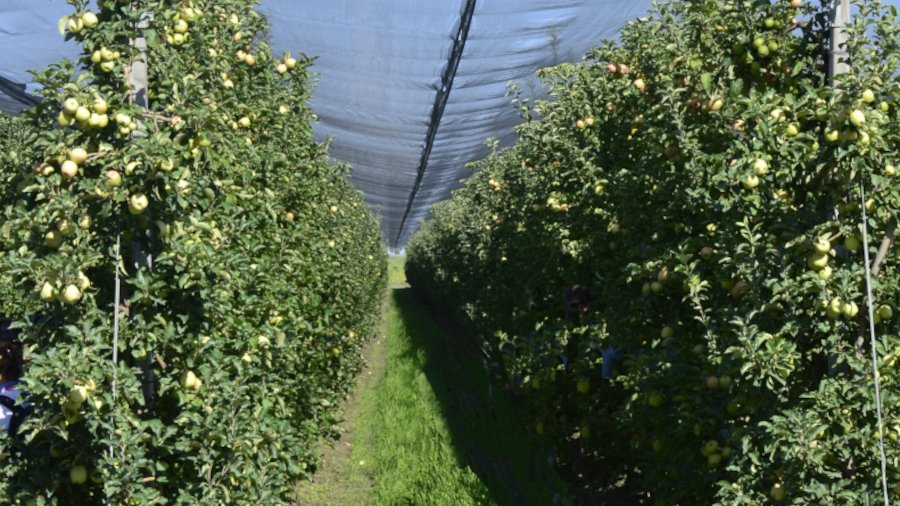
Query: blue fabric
(610, 357)
(7, 390)
(380, 64)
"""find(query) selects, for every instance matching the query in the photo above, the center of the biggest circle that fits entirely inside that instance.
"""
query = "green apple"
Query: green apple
(850, 309)
(851, 242)
(667, 332)
(817, 260)
(712, 383)
(739, 289)
(71, 294)
(48, 292)
(656, 400)
(64, 227)
(89, 19)
(709, 447)
(53, 239)
(70, 106)
(78, 155)
(886, 312)
(69, 169)
(664, 275)
(82, 113)
(890, 170)
(188, 380)
(760, 166)
(113, 178)
(75, 25)
(100, 106)
(868, 96)
(724, 382)
(583, 386)
(138, 203)
(78, 474)
(834, 308)
(83, 281)
(78, 394)
(64, 119)
(825, 273)
(750, 182)
(857, 118)
(777, 492)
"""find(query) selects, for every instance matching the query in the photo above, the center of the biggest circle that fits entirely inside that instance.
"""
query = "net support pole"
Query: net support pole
(440, 103)
(837, 54)
(139, 81)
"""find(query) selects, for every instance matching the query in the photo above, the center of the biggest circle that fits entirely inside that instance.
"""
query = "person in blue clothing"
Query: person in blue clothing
(12, 367)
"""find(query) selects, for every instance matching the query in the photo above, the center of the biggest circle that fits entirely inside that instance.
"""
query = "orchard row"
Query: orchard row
(668, 267)
(195, 232)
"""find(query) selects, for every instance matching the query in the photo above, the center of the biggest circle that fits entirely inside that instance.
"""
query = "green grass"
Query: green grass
(430, 433)
(396, 273)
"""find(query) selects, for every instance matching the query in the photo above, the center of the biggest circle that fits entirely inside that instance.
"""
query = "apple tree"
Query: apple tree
(196, 279)
(701, 177)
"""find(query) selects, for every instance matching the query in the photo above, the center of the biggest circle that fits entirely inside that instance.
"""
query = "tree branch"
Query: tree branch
(884, 248)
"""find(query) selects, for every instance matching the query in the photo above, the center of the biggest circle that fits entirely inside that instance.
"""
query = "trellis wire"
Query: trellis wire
(871, 306)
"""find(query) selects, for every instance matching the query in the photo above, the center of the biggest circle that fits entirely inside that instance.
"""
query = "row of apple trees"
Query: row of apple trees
(701, 179)
(12, 139)
(204, 241)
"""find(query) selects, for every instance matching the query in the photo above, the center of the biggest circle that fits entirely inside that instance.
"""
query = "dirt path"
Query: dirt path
(339, 480)
(424, 426)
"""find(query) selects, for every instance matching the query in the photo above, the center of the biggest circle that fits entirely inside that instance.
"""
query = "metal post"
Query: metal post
(139, 81)
(837, 56)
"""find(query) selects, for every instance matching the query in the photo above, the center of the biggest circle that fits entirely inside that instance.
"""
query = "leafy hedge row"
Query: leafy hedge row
(242, 332)
(700, 178)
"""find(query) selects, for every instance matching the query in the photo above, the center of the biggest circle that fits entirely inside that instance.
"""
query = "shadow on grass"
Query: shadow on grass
(487, 431)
